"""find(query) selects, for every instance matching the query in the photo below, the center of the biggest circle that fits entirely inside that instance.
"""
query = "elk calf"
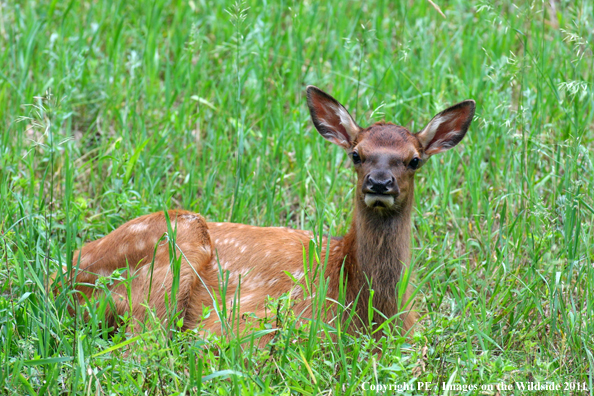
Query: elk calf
(374, 252)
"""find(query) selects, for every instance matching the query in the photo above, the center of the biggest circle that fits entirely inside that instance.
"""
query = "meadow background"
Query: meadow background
(112, 109)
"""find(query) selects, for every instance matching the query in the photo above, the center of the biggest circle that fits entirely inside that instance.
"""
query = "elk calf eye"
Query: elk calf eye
(414, 163)
(356, 158)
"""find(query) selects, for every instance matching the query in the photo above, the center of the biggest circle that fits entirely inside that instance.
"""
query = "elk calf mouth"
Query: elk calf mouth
(379, 200)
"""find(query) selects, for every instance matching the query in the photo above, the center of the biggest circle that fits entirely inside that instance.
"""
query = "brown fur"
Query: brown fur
(376, 249)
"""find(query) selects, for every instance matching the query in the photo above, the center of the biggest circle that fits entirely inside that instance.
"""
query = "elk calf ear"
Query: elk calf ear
(331, 119)
(447, 128)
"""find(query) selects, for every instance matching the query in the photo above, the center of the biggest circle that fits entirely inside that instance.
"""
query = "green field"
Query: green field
(112, 109)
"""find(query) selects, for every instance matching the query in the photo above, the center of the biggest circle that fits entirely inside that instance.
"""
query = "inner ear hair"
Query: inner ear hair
(331, 119)
(447, 128)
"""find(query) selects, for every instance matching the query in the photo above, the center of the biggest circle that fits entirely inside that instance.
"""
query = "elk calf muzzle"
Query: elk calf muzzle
(380, 189)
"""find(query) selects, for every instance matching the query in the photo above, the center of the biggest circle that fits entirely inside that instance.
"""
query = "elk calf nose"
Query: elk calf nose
(381, 184)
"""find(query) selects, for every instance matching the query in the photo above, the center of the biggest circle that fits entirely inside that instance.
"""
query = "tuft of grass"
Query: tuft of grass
(114, 109)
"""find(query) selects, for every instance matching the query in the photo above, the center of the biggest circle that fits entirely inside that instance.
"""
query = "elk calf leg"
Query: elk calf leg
(132, 246)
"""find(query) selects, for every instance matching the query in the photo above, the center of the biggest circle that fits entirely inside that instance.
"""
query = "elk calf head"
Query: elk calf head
(386, 156)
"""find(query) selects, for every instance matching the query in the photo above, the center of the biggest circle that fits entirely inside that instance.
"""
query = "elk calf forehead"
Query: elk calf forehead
(389, 139)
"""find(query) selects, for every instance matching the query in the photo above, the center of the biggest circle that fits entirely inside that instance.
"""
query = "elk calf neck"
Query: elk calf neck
(374, 252)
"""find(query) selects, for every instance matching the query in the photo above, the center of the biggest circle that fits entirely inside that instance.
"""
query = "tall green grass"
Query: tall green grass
(112, 109)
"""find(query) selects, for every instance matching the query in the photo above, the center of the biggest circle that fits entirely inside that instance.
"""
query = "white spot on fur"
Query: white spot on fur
(189, 217)
(123, 249)
(298, 274)
(138, 227)
(247, 299)
(140, 245)
(243, 248)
